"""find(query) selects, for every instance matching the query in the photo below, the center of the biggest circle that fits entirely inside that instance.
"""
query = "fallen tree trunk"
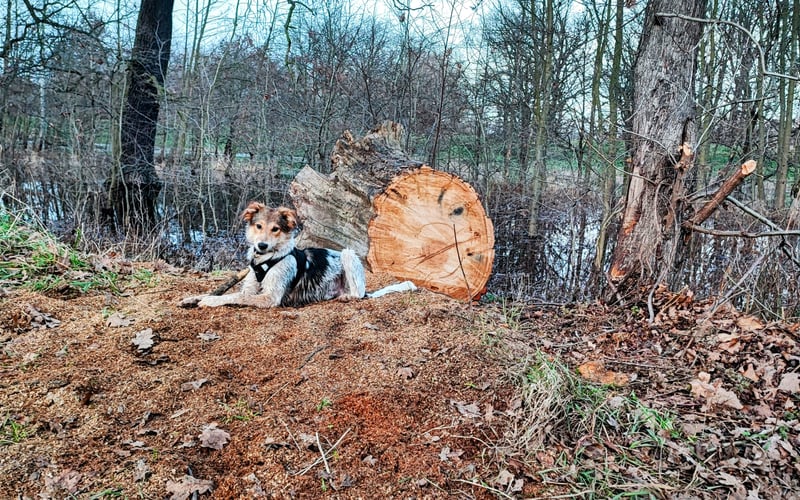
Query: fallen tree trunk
(407, 219)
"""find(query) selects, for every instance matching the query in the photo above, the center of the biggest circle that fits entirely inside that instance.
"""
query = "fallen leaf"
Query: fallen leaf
(446, 454)
(790, 382)
(144, 339)
(750, 373)
(405, 372)
(40, 319)
(118, 320)
(714, 394)
(504, 478)
(749, 324)
(141, 471)
(273, 444)
(468, 410)
(370, 460)
(213, 438)
(488, 412)
(729, 342)
(183, 489)
(193, 385)
(67, 482)
(208, 336)
(595, 371)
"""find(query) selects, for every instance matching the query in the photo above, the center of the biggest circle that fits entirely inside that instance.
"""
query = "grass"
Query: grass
(33, 258)
(12, 432)
(241, 411)
(613, 433)
(324, 403)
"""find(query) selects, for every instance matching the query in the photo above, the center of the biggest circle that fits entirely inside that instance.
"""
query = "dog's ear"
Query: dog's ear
(251, 210)
(287, 220)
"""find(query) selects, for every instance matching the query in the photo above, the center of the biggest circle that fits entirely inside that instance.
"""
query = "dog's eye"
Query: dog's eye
(259, 226)
(276, 229)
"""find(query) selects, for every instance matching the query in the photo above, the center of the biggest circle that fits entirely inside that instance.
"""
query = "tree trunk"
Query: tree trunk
(410, 221)
(664, 133)
(133, 194)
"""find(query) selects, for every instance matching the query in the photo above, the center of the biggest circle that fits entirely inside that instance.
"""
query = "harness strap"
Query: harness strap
(300, 258)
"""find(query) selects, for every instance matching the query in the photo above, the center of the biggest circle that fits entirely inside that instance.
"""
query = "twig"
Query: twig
(486, 487)
(740, 234)
(735, 287)
(319, 460)
(322, 453)
(313, 353)
(717, 198)
(762, 64)
(290, 434)
(232, 280)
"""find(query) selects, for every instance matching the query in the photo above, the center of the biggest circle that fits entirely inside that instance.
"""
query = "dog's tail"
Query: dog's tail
(405, 286)
(353, 274)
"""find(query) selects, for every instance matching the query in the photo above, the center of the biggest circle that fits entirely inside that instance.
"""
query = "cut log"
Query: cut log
(430, 228)
(405, 218)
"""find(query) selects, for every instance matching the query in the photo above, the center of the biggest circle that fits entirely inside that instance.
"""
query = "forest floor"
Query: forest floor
(117, 392)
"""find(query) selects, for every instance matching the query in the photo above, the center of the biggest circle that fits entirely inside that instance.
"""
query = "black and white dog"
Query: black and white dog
(283, 275)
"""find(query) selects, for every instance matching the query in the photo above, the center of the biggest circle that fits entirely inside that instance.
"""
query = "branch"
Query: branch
(234, 278)
(726, 189)
(739, 27)
(738, 234)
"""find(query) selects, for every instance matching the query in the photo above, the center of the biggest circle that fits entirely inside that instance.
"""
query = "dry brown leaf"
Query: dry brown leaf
(118, 320)
(446, 454)
(213, 438)
(790, 382)
(595, 371)
(208, 336)
(749, 324)
(713, 394)
(141, 471)
(143, 340)
(39, 319)
(729, 342)
(66, 482)
(405, 372)
(468, 410)
(183, 489)
(193, 385)
(750, 373)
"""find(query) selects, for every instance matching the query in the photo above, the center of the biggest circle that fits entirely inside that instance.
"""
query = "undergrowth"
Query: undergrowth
(597, 441)
(33, 258)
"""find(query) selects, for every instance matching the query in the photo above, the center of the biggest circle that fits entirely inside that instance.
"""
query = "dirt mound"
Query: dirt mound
(121, 393)
(356, 397)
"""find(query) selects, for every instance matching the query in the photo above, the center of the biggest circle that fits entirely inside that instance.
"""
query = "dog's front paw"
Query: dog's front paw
(191, 301)
(212, 301)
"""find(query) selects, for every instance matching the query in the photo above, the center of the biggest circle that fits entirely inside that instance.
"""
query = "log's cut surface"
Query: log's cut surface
(430, 228)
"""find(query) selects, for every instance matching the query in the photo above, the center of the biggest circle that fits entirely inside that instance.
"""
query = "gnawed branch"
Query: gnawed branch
(716, 200)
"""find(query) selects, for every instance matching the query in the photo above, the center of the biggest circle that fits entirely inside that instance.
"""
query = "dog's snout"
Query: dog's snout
(263, 246)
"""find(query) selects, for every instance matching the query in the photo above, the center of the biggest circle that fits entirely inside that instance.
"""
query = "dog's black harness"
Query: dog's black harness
(299, 256)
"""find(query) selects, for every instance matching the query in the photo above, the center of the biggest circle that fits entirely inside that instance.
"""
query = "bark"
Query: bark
(133, 194)
(664, 131)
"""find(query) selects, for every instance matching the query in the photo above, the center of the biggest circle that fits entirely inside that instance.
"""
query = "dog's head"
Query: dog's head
(270, 231)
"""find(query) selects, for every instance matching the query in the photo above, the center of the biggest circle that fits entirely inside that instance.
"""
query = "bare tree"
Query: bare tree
(664, 132)
(134, 186)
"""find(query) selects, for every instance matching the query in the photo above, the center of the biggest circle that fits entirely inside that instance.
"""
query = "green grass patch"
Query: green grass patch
(11, 431)
(33, 258)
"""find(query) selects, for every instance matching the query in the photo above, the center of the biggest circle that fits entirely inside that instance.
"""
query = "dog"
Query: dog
(281, 275)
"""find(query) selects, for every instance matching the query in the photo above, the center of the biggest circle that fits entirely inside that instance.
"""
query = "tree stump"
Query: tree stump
(407, 219)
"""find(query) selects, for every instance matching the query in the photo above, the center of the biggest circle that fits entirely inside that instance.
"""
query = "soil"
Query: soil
(412, 395)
